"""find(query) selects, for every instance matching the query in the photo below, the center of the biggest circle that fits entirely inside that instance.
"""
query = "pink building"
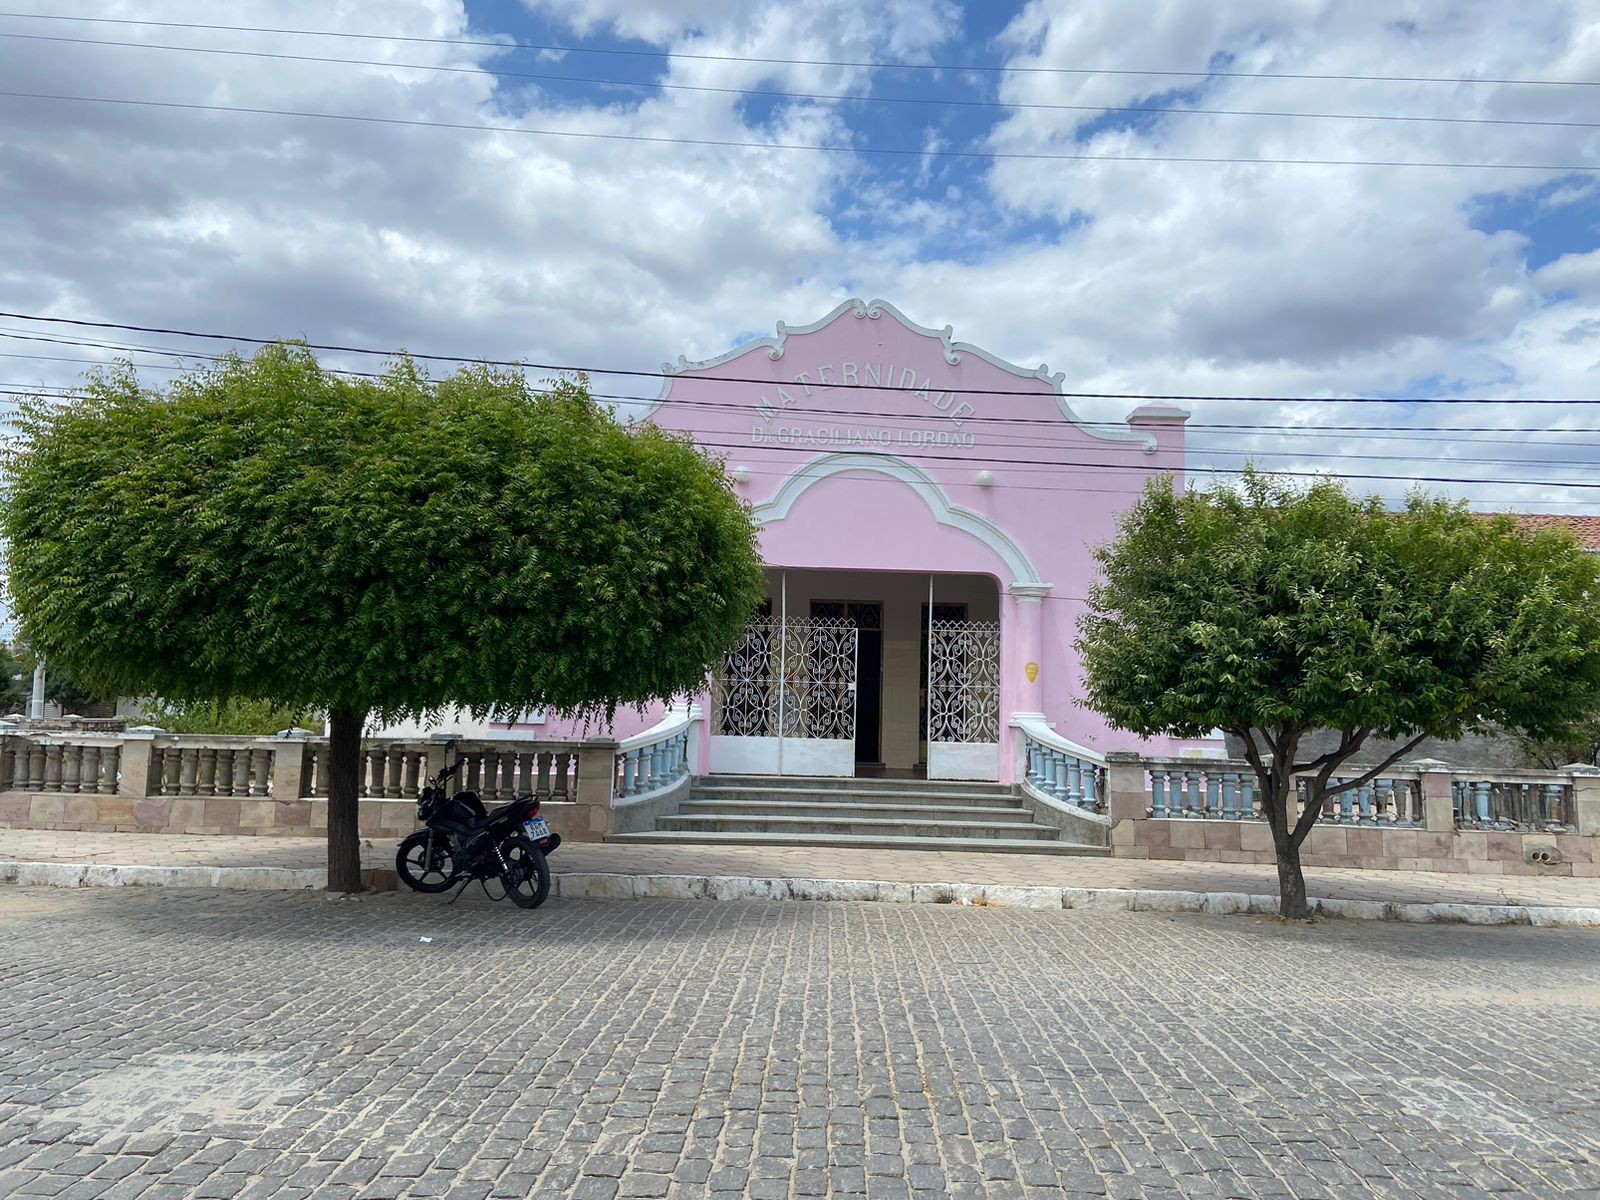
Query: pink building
(927, 514)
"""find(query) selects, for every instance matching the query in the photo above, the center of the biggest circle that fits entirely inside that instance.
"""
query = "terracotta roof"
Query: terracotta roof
(1585, 529)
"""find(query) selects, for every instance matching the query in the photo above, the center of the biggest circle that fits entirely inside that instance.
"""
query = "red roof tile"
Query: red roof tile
(1585, 529)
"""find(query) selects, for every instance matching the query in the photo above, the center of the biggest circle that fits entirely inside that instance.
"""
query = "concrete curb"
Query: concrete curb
(603, 886)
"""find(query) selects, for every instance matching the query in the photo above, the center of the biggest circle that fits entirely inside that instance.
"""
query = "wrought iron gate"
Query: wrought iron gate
(963, 681)
(788, 679)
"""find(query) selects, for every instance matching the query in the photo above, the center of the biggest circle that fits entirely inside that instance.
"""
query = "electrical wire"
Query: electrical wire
(820, 147)
(505, 44)
(763, 93)
(572, 369)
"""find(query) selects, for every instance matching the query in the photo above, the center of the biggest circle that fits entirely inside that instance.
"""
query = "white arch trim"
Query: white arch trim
(919, 481)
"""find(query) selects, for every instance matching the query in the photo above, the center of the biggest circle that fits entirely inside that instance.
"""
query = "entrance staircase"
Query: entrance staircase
(876, 814)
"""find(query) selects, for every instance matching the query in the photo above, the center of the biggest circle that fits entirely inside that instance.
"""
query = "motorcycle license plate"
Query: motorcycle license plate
(538, 828)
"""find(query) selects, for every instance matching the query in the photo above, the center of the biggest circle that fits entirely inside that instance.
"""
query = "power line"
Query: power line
(967, 460)
(1008, 439)
(820, 147)
(764, 93)
(1410, 434)
(775, 383)
(1009, 462)
(504, 44)
(1366, 430)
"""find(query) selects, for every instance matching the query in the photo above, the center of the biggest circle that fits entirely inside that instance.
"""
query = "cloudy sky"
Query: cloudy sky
(1024, 171)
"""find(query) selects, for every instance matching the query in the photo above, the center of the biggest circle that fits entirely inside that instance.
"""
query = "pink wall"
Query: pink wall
(912, 498)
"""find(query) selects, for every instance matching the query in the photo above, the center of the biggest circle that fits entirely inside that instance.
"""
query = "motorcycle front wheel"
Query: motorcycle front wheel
(423, 869)
(526, 875)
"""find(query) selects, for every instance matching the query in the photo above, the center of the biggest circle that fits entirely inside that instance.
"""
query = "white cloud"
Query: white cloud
(1160, 276)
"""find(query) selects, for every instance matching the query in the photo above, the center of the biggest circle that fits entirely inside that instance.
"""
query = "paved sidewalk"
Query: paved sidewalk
(904, 866)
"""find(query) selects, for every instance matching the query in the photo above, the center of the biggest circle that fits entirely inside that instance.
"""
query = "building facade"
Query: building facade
(927, 514)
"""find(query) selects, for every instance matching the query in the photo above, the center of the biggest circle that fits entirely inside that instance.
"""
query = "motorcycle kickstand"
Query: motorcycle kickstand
(465, 884)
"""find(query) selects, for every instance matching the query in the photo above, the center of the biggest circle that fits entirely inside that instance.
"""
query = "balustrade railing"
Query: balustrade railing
(1527, 805)
(210, 768)
(1226, 791)
(54, 764)
(655, 758)
(1058, 770)
(499, 771)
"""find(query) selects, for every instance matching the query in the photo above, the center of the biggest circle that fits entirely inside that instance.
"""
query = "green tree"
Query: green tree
(1579, 744)
(268, 530)
(1269, 611)
(232, 716)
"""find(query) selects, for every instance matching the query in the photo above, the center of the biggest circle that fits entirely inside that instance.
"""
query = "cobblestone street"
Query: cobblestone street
(185, 1043)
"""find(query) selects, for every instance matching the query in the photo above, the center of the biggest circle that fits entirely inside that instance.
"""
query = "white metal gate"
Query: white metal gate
(784, 701)
(963, 700)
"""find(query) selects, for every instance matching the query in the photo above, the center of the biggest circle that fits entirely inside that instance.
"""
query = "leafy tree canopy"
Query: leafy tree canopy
(1270, 607)
(1269, 611)
(269, 530)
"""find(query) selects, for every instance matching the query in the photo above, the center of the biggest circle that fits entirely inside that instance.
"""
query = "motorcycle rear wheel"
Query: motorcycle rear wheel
(527, 875)
(422, 871)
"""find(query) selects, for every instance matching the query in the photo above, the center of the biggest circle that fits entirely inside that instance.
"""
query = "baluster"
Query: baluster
(1364, 804)
(410, 764)
(52, 767)
(1247, 796)
(241, 771)
(1074, 782)
(19, 767)
(171, 761)
(1158, 794)
(1213, 799)
(89, 769)
(206, 781)
(560, 788)
(71, 767)
(36, 767)
(543, 785)
(224, 782)
(1230, 795)
(1091, 787)
(1346, 803)
(472, 776)
(188, 784)
(8, 760)
(1058, 775)
(630, 772)
(1555, 808)
(1482, 790)
(1196, 803)
(110, 769)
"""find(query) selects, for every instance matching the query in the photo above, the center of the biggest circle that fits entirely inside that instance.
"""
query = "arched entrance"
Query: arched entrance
(880, 650)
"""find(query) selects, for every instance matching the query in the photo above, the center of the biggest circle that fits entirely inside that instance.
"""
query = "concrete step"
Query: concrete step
(944, 845)
(851, 807)
(859, 826)
(802, 791)
(832, 783)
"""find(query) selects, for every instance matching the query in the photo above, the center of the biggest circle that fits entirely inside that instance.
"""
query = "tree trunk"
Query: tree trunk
(1291, 886)
(344, 801)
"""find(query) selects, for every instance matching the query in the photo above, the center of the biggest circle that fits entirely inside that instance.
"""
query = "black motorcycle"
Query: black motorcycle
(464, 841)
